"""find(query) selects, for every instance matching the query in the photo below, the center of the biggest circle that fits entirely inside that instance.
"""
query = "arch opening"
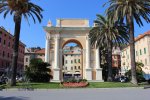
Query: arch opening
(72, 60)
(73, 41)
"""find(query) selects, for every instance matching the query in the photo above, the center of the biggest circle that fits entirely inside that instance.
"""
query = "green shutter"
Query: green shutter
(140, 52)
(144, 50)
(78, 60)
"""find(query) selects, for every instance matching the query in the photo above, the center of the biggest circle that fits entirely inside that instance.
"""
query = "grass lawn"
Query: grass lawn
(91, 85)
(109, 85)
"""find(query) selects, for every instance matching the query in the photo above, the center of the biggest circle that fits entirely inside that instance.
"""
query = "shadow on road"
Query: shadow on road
(13, 98)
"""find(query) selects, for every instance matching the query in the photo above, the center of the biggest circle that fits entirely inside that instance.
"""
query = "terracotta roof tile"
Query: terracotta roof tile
(42, 51)
(142, 35)
(138, 38)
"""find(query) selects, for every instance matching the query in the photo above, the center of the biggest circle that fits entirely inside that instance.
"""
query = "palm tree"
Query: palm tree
(108, 34)
(19, 8)
(130, 11)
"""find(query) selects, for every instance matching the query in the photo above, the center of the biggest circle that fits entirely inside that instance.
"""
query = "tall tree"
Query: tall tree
(19, 8)
(130, 11)
(108, 34)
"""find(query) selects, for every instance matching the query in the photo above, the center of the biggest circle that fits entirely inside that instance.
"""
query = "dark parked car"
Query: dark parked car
(121, 79)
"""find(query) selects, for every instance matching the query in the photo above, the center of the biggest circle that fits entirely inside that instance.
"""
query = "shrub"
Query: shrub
(38, 71)
(82, 80)
(73, 80)
(139, 75)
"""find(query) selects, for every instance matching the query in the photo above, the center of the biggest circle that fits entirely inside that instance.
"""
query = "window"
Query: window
(65, 68)
(78, 67)
(78, 60)
(9, 44)
(26, 59)
(75, 67)
(140, 52)
(145, 61)
(71, 61)
(4, 42)
(144, 50)
(136, 53)
(71, 68)
(75, 61)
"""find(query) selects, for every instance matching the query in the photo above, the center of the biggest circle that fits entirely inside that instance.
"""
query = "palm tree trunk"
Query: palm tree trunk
(109, 79)
(17, 20)
(132, 49)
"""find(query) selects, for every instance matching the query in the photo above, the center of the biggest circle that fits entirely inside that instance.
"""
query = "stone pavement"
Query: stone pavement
(77, 94)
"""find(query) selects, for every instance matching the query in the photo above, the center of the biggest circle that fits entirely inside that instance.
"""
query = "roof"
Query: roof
(42, 51)
(138, 38)
(2, 28)
(142, 35)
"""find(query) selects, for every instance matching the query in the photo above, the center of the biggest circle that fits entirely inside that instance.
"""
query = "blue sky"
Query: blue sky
(34, 34)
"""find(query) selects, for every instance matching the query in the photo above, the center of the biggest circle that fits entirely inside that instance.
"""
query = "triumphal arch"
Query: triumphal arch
(66, 31)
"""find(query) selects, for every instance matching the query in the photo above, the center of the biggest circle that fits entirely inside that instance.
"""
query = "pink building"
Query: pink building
(6, 50)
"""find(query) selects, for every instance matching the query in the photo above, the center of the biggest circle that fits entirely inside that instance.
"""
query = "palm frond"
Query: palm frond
(25, 8)
(106, 32)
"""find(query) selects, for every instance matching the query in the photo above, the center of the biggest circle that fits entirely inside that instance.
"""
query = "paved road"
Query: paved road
(78, 94)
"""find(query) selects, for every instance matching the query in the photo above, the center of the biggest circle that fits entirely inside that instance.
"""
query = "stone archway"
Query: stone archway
(71, 30)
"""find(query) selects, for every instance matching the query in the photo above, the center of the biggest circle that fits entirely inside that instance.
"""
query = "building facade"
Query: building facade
(32, 53)
(72, 61)
(142, 52)
(66, 31)
(6, 52)
(116, 60)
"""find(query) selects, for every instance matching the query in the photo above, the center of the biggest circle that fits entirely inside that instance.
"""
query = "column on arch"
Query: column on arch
(56, 56)
(98, 69)
(88, 58)
(56, 68)
(47, 48)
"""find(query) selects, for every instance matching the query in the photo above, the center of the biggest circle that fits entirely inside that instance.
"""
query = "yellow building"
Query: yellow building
(72, 62)
(142, 52)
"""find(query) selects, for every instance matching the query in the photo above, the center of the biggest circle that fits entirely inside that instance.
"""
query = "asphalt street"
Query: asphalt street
(77, 94)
